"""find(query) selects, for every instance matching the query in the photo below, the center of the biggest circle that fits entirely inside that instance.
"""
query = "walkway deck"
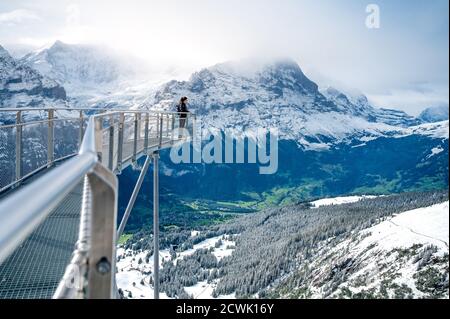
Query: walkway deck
(34, 270)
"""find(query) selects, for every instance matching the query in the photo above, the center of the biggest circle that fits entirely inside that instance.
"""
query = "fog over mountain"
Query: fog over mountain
(434, 114)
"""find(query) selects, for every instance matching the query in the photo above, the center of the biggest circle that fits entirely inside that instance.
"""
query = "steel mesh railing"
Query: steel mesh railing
(34, 147)
(7, 155)
(64, 132)
(34, 139)
(41, 137)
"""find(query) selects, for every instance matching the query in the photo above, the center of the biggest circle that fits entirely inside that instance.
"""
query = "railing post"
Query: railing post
(146, 133)
(160, 132)
(50, 138)
(111, 142)
(156, 225)
(157, 125)
(18, 145)
(81, 131)
(99, 137)
(167, 125)
(102, 256)
(173, 126)
(139, 125)
(194, 128)
(120, 142)
(136, 136)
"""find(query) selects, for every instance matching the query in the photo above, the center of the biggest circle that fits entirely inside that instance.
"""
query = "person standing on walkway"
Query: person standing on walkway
(183, 110)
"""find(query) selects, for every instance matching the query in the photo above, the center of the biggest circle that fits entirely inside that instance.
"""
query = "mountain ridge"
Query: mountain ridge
(278, 94)
(434, 114)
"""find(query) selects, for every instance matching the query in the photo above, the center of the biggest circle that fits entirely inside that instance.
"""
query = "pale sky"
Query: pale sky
(403, 64)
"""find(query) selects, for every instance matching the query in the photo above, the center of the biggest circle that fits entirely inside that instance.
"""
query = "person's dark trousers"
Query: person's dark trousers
(182, 124)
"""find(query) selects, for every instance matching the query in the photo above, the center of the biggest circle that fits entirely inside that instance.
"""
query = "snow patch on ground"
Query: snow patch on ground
(134, 273)
(428, 225)
(204, 290)
(194, 233)
(435, 130)
(339, 200)
(219, 252)
(435, 151)
(130, 282)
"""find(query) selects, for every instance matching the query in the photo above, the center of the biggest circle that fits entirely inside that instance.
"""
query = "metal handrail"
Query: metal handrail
(97, 182)
(89, 109)
(88, 145)
(15, 109)
(23, 124)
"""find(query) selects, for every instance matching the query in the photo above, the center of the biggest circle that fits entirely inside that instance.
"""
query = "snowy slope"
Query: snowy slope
(428, 225)
(404, 256)
(438, 130)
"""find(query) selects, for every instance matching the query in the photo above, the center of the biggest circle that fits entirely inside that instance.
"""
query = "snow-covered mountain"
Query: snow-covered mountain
(242, 95)
(98, 76)
(78, 67)
(434, 114)
(236, 95)
(22, 86)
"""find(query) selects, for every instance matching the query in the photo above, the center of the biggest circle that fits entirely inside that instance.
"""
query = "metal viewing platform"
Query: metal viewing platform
(58, 195)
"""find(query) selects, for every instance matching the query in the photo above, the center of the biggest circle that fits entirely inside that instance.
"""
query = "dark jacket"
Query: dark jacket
(182, 107)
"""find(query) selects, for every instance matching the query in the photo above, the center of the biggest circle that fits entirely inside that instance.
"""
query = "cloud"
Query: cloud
(73, 15)
(35, 42)
(411, 100)
(18, 16)
(402, 64)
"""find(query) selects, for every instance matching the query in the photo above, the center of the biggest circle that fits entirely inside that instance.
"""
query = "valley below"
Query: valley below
(349, 247)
